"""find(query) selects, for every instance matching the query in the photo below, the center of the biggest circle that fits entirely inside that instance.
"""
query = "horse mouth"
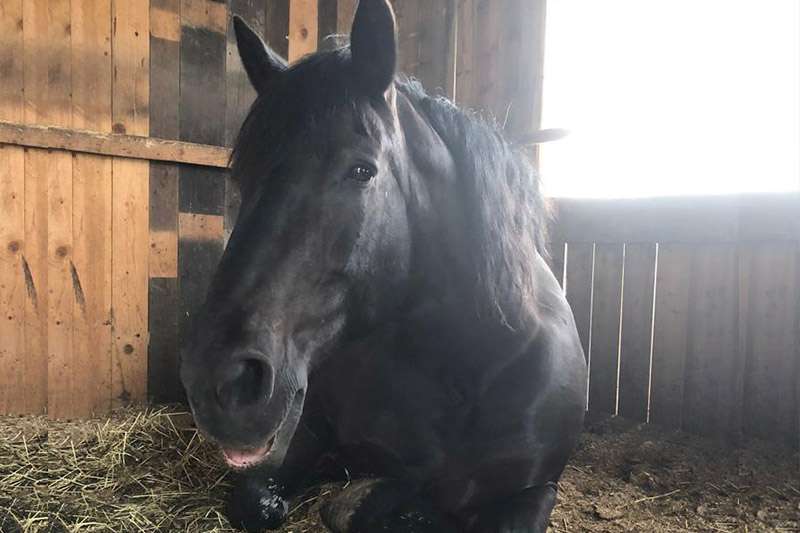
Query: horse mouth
(241, 459)
(274, 450)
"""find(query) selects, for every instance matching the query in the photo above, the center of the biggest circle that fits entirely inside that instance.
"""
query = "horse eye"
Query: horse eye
(362, 173)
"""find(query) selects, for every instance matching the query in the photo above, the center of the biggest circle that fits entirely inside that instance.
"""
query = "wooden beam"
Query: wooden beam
(114, 144)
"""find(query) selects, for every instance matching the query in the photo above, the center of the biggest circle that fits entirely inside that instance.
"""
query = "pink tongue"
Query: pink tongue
(244, 458)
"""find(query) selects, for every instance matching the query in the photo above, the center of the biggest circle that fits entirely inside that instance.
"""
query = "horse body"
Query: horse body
(383, 296)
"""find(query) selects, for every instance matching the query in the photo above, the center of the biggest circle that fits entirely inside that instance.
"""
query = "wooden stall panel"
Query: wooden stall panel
(770, 406)
(131, 242)
(578, 286)
(303, 28)
(12, 219)
(201, 191)
(637, 321)
(712, 397)
(425, 38)
(670, 332)
(48, 205)
(163, 384)
(606, 302)
(91, 215)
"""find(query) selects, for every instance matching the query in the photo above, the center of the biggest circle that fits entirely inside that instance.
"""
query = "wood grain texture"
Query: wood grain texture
(91, 214)
(128, 146)
(303, 28)
(670, 334)
(606, 302)
(637, 321)
(12, 220)
(131, 243)
(770, 408)
(711, 395)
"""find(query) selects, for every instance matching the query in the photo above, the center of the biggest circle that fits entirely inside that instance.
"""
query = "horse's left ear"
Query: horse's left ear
(260, 62)
(373, 45)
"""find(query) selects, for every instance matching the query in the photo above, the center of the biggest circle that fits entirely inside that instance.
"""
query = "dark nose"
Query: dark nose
(245, 382)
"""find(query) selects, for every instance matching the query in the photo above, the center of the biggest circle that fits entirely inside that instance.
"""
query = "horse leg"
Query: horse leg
(527, 512)
(258, 498)
(382, 505)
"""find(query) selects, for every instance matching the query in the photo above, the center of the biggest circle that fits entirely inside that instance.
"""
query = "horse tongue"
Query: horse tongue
(245, 458)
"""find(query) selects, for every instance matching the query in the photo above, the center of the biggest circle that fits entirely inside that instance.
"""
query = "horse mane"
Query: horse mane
(505, 210)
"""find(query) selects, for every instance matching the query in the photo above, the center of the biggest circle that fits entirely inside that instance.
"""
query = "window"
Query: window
(672, 97)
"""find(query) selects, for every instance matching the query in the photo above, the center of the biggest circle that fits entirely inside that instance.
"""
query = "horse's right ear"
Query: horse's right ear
(260, 62)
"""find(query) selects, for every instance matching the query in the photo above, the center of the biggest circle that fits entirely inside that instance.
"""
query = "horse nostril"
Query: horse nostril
(245, 383)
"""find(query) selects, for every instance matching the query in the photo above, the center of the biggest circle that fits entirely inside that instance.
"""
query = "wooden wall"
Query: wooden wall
(103, 258)
(688, 309)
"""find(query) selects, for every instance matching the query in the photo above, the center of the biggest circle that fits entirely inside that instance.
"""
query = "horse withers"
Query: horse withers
(383, 300)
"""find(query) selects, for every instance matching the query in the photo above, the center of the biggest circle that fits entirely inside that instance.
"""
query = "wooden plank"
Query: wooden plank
(466, 79)
(12, 221)
(637, 322)
(748, 217)
(47, 68)
(578, 285)
(519, 97)
(345, 11)
(670, 343)
(303, 28)
(34, 263)
(711, 397)
(424, 33)
(130, 238)
(201, 191)
(770, 409)
(91, 214)
(276, 22)
(604, 353)
(162, 380)
(129, 146)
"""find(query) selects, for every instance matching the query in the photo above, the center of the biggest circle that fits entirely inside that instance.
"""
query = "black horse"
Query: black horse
(383, 300)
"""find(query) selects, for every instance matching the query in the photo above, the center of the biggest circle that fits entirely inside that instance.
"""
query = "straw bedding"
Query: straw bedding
(151, 471)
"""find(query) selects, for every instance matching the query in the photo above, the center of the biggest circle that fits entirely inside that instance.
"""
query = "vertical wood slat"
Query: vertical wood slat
(48, 218)
(201, 191)
(92, 201)
(12, 220)
(130, 220)
(579, 276)
(276, 25)
(711, 397)
(670, 334)
(637, 320)
(425, 42)
(345, 9)
(163, 383)
(606, 302)
(303, 28)
(770, 407)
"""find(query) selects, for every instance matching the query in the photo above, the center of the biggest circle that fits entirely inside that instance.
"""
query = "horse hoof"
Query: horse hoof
(255, 506)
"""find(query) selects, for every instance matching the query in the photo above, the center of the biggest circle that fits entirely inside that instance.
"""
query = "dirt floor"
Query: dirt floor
(149, 471)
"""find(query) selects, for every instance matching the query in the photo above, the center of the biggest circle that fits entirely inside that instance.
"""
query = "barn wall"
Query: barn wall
(104, 259)
(688, 310)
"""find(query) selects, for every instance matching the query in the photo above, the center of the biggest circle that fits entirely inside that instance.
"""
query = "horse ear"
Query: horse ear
(260, 62)
(373, 45)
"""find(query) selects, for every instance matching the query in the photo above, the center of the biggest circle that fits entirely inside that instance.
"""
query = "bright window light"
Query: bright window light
(672, 97)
